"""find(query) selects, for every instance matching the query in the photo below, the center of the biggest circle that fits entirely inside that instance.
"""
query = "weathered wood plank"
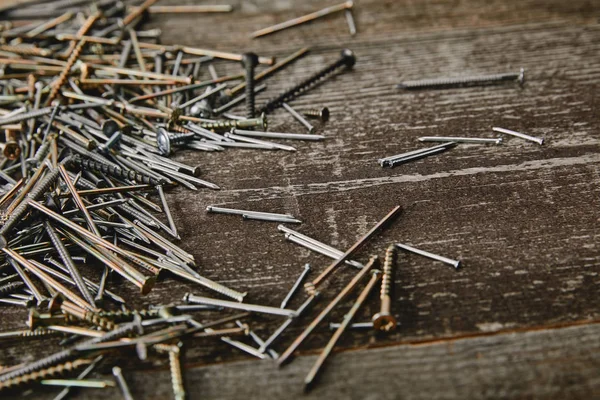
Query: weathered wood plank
(546, 364)
(523, 218)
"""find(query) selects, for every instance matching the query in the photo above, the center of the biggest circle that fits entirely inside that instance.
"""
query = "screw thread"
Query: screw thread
(42, 186)
(65, 72)
(28, 115)
(176, 373)
(461, 81)
(119, 316)
(181, 137)
(10, 288)
(43, 373)
(388, 264)
(250, 60)
(26, 50)
(57, 358)
(347, 60)
(38, 332)
(116, 172)
(221, 126)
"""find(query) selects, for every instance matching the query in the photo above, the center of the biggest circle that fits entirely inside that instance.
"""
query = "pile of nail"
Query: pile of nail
(92, 109)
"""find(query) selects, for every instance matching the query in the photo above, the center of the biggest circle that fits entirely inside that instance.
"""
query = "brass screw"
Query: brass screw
(384, 320)
(321, 114)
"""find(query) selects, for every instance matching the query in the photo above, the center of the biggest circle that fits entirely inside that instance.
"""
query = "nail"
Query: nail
(295, 286)
(537, 140)
(454, 263)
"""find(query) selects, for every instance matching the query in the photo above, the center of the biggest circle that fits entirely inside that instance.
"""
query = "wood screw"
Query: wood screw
(384, 320)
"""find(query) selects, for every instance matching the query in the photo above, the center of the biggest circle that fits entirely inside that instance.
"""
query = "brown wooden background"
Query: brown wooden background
(519, 320)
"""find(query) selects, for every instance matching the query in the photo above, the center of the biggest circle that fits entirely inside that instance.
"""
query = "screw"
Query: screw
(42, 373)
(250, 61)
(463, 81)
(320, 114)
(225, 126)
(348, 59)
(176, 373)
(115, 171)
(384, 320)
(11, 149)
(165, 140)
(10, 288)
(65, 72)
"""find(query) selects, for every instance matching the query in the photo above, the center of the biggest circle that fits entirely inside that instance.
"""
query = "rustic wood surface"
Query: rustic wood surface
(519, 319)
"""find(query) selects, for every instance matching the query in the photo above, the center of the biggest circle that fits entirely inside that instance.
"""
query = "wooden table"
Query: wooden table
(520, 319)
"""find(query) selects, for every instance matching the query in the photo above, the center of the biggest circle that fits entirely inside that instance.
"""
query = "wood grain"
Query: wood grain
(523, 218)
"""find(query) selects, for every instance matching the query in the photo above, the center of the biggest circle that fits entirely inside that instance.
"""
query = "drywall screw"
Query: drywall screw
(190, 298)
(298, 117)
(310, 287)
(225, 126)
(463, 81)
(115, 171)
(322, 114)
(457, 139)
(410, 249)
(384, 320)
(537, 140)
(312, 374)
(319, 318)
(348, 59)
(304, 19)
(118, 374)
(296, 285)
(165, 140)
(250, 61)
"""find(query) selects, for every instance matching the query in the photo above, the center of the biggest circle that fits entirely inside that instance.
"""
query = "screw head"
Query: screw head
(163, 142)
(249, 60)
(349, 57)
(324, 114)
(384, 322)
(109, 127)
